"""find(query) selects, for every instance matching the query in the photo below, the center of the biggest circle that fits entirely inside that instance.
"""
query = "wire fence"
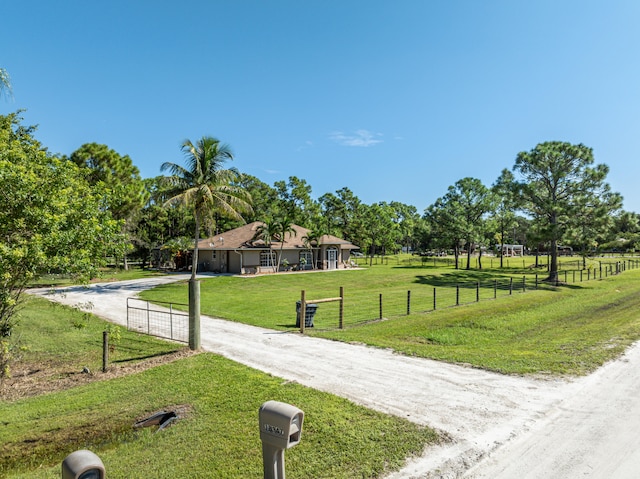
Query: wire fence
(160, 319)
(435, 294)
(488, 261)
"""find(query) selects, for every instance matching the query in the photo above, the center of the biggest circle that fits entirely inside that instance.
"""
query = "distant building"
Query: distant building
(512, 250)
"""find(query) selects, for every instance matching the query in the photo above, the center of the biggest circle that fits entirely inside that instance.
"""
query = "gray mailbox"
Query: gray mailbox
(280, 429)
(83, 465)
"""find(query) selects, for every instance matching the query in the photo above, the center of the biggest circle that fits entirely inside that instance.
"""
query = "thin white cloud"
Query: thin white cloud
(359, 138)
(307, 144)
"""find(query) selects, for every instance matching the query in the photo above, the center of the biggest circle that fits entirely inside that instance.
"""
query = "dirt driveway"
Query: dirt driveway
(499, 426)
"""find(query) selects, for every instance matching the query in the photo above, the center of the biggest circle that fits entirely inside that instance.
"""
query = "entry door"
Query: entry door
(332, 259)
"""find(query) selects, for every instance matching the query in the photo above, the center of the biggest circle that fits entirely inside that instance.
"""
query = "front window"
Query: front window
(306, 258)
(267, 258)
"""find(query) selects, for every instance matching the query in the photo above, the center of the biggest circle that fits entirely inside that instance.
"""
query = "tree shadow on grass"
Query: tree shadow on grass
(469, 279)
(461, 277)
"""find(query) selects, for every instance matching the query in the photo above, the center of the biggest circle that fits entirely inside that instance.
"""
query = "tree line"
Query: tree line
(554, 195)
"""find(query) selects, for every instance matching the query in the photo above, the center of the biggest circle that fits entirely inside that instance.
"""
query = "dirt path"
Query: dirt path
(499, 426)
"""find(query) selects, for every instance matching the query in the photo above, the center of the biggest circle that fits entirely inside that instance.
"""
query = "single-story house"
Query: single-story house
(239, 251)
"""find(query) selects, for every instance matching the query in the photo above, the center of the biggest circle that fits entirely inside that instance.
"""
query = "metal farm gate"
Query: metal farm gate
(157, 320)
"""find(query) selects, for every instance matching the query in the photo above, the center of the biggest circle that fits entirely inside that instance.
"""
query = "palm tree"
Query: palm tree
(312, 242)
(206, 187)
(267, 231)
(284, 226)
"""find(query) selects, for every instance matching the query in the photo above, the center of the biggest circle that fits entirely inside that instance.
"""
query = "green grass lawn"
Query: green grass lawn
(572, 329)
(217, 435)
(567, 330)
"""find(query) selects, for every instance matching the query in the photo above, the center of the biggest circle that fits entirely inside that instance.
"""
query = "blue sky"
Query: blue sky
(396, 100)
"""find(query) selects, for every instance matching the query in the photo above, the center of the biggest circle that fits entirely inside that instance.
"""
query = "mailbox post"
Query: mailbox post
(83, 464)
(280, 429)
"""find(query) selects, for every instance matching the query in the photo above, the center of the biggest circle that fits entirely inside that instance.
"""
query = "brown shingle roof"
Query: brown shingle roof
(243, 238)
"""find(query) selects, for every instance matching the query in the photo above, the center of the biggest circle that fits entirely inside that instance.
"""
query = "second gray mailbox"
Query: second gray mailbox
(82, 464)
(280, 424)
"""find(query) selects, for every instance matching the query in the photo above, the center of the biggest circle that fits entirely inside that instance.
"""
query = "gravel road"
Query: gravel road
(499, 426)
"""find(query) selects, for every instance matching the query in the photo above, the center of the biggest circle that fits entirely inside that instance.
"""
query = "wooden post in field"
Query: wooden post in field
(524, 284)
(341, 319)
(477, 291)
(511, 285)
(105, 350)
(495, 288)
(457, 294)
(380, 305)
(434, 298)
(303, 310)
(408, 302)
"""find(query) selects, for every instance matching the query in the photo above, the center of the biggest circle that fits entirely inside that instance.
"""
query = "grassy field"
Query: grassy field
(572, 329)
(218, 400)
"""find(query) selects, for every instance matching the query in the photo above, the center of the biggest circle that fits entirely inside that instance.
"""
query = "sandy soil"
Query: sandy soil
(498, 426)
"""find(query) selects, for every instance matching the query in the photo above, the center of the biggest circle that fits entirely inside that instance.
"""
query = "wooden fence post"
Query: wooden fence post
(303, 310)
(434, 298)
(105, 350)
(408, 302)
(380, 305)
(341, 318)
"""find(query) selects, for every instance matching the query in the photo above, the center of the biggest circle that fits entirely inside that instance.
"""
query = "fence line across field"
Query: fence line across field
(377, 306)
(162, 320)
